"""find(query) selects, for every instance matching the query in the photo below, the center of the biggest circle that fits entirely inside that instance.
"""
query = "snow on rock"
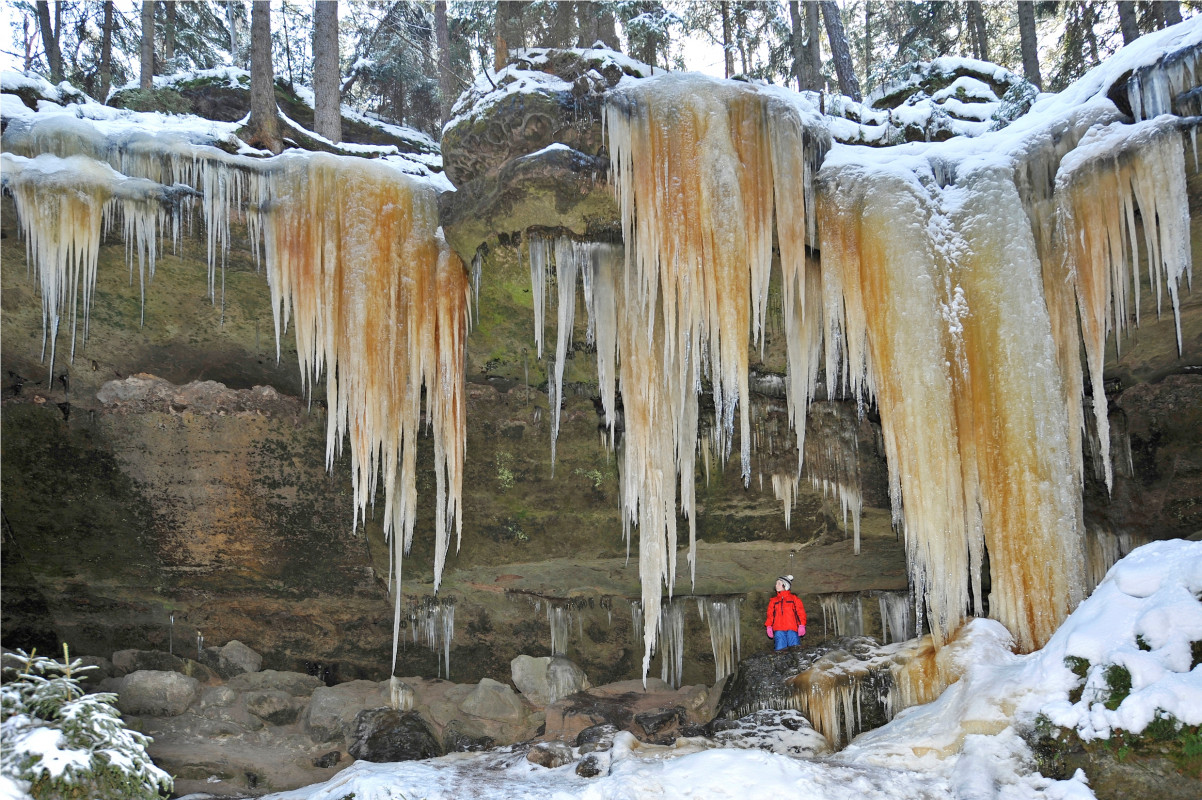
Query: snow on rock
(1144, 617)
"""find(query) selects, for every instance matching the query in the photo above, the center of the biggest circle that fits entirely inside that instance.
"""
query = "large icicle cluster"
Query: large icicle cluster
(948, 293)
(693, 169)
(354, 258)
(64, 206)
(380, 304)
(1116, 172)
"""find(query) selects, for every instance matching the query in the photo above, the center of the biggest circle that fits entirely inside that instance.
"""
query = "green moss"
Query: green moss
(1079, 667)
(167, 101)
(1118, 681)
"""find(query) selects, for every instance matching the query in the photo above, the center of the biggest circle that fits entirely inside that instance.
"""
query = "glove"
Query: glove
(801, 630)
(771, 633)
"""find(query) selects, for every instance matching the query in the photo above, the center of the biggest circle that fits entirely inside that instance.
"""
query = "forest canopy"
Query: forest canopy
(407, 61)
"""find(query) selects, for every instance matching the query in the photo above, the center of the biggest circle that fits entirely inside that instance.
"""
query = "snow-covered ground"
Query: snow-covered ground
(965, 745)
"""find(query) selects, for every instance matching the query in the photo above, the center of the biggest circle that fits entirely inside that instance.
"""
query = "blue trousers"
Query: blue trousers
(785, 639)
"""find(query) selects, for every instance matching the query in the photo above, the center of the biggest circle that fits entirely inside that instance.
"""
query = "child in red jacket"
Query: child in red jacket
(786, 622)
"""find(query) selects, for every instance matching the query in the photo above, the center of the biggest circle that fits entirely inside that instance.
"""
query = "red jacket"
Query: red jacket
(785, 612)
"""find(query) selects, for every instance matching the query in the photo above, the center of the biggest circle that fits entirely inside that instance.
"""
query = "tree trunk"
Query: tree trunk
(446, 80)
(1029, 41)
(263, 128)
(231, 22)
(1128, 22)
(848, 84)
(169, 35)
(54, 56)
(106, 52)
(510, 32)
(868, 44)
(1171, 11)
(976, 24)
(327, 101)
(813, 49)
(563, 24)
(727, 48)
(796, 42)
(147, 78)
(607, 29)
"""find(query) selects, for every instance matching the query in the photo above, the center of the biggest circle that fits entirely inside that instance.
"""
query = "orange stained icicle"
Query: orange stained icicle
(1117, 171)
(694, 170)
(380, 304)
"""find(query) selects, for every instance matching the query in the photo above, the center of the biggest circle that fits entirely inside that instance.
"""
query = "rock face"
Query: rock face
(525, 149)
(383, 735)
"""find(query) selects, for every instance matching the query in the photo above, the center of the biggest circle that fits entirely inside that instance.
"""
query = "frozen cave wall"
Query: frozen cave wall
(129, 505)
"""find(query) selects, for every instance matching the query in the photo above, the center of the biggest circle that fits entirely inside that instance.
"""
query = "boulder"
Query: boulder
(495, 701)
(332, 709)
(233, 658)
(598, 737)
(542, 97)
(296, 684)
(272, 706)
(126, 661)
(785, 732)
(544, 680)
(157, 693)
(594, 764)
(550, 754)
(762, 680)
(385, 735)
(655, 714)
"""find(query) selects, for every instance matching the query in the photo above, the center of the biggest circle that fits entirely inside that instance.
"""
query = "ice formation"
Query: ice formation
(64, 205)
(897, 619)
(354, 259)
(671, 625)
(433, 624)
(831, 461)
(1115, 172)
(559, 618)
(692, 168)
(842, 614)
(721, 614)
(947, 294)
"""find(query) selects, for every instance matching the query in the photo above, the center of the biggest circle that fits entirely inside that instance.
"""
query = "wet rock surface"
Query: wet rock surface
(383, 734)
(762, 681)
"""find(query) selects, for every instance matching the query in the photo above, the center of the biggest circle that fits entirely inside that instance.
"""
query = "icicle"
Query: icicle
(559, 618)
(896, 620)
(842, 614)
(722, 616)
(62, 205)
(433, 622)
(1115, 170)
(672, 657)
(539, 248)
(565, 276)
(784, 487)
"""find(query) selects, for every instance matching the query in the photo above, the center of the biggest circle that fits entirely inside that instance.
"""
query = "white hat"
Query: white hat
(788, 579)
